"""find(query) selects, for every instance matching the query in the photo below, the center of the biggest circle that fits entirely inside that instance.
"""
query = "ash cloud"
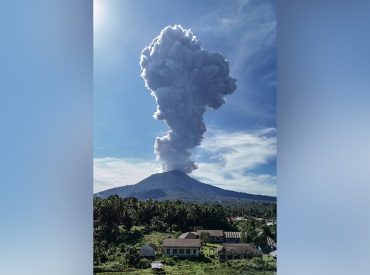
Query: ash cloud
(185, 80)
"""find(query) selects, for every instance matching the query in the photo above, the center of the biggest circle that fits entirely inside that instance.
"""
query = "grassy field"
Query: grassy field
(158, 237)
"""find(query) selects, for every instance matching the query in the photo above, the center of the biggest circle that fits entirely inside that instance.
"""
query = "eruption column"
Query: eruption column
(184, 79)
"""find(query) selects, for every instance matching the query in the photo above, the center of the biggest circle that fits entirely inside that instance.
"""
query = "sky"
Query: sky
(239, 148)
(45, 114)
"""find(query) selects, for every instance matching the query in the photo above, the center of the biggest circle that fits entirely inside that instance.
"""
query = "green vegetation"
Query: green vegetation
(122, 225)
(157, 238)
(205, 237)
(255, 209)
(214, 267)
(254, 231)
(208, 250)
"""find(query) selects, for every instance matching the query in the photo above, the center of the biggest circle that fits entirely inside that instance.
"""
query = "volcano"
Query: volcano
(176, 185)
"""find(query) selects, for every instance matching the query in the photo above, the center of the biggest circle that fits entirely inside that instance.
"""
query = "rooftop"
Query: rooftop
(270, 241)
(273, 253)
(188, 235)
(239, 248)
(182, 243)
(150, 245)
(212, 233)
(232, 235)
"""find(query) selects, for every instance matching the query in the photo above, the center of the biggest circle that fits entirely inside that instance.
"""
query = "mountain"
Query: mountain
(175, 185)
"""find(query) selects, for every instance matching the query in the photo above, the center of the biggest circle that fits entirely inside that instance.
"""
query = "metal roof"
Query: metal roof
(182, 243)
(232, 235)
(238, 248)
(270, 241)
(273, 253)
(212, 233)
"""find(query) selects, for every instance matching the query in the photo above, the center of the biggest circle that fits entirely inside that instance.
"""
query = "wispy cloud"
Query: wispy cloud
(115, 172)
(249, 26)
(226, 160)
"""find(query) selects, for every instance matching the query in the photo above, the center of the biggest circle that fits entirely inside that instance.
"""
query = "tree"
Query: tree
(205, 237)
(260, 240)
(273, 232)
(131, 256)
(100, 255)
(143, 263)
(243, 237)
(121, 222)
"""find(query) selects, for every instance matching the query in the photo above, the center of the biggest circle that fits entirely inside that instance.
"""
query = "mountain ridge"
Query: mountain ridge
(174, 185)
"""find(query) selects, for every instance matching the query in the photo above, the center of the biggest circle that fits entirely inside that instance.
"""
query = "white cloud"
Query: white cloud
(225, 160)
(115, 172)
(232, 156)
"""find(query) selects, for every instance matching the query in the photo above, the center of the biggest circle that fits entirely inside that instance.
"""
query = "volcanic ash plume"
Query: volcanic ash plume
(184, 79)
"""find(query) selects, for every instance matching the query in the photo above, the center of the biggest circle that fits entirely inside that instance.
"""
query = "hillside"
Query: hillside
(175, 185)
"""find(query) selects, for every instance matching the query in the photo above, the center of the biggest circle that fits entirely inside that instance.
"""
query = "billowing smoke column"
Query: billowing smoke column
(184, 79)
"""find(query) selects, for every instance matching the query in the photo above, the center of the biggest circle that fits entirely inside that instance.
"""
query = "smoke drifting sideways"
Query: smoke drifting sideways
(184, 79)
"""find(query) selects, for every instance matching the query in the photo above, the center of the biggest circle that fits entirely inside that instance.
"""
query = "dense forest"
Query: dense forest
(114, 213)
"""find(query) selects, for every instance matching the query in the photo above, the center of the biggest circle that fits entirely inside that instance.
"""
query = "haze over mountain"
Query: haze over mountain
(175, 185)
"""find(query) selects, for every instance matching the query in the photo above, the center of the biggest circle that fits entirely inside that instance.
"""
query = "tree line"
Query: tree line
(114, 214)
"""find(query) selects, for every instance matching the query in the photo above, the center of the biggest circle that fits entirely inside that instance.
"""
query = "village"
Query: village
(219, 244)
(175, 237)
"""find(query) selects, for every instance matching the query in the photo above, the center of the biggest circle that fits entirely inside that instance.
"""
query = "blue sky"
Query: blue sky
(46, 84)
(239, 150)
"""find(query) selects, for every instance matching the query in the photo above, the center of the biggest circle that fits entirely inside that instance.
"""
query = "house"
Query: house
(216, 236)
(232, 237)
(148, 250)
(269, 245)
(181, 247)
(228, 251)
(189, 235)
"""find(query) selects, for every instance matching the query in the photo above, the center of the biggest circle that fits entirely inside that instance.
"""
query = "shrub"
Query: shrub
(131, 256)
(169, 261)
(116, 267)
(257, 263)
(143, 263)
